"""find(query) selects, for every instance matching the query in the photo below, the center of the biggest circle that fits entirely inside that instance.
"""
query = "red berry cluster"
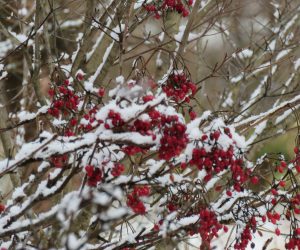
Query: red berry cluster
(90, 120)
(208, 225)
(134, 202)
(294, 241)
(115, 118)
(94, 175)
(143, 127)
(148, 98)
(172, 5)
(244, 240)
(154, 115)
(132, 150)
(174, 138)
(295, 204)
(216, 159)
(179, 87)
(171, 207)
(64, 100)
(59, 161)
(273, 217)
(118, 169)
(281, 167)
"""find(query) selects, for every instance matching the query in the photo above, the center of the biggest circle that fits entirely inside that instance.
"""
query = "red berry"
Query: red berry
(216, 135)
(79, 76)
(193, 115)
(101, 92)
(229, 193)
(283, 164)
(66, 82)
(2, 208)
(190, 2)
(254, 180)
(204, 137)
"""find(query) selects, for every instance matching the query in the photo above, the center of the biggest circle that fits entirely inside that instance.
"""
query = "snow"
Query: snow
(117, 31)
(71, 23)
(20, 37)
(297, 64)
(237, 78)
(111, 197)
(23, 11)
(282, 54)
(138, 4)
(243, 54)
(120, 79)
(228, 101)
(5, 46)
(257, 118)
(99, 39)
(258, 130)
(93, 78)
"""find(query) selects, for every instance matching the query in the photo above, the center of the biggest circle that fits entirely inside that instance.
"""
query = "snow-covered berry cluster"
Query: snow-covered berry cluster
(161, 6)
(134, 201)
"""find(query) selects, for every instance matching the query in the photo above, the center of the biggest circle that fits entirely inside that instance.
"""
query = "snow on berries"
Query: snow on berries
(179, 6)
(117, 169)
(133, 199)
(177, 143)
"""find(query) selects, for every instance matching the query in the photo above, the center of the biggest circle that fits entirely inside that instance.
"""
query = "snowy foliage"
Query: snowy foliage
(132, 156)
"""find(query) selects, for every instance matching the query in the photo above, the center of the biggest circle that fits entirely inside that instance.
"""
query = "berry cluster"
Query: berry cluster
(115, 119)
(174, 138)
(173, 5)
(134, 202)
(148, 98)
(179, 87)
(89, 120)
(244, 240)
(59, 161)
(118, 169)
(132, 150)
(216, 159)
(208, 225)
(294, 242)
(273, 217)
(295, 204)
(64, 100)
(209, 155)
(94, 175)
